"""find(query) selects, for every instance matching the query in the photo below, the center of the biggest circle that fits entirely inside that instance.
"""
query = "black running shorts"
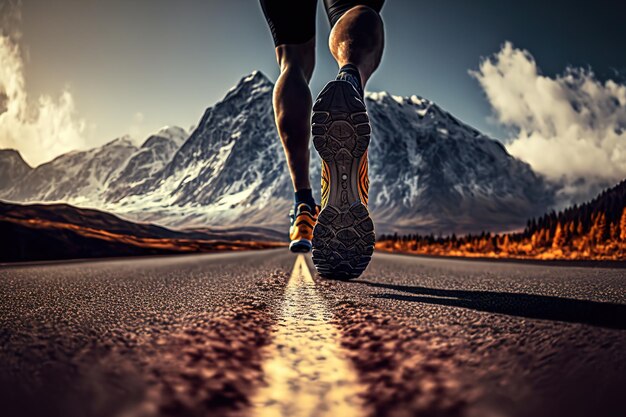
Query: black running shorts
(293, 21)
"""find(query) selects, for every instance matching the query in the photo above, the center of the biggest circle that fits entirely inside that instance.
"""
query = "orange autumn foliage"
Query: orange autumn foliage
(595, 230)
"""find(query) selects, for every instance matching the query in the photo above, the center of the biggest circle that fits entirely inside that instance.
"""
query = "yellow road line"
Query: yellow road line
(307, 372)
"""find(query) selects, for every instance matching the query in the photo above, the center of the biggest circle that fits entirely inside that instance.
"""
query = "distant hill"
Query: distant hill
(593, 230)
(60, 231)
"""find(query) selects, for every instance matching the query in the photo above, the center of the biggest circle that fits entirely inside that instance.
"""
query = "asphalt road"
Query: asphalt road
(255, 333)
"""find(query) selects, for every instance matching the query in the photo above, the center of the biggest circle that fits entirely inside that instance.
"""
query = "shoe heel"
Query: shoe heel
(343, 242)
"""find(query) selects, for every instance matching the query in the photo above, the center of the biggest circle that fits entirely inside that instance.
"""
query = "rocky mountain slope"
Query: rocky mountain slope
(429, 171)
(12, 168)
(88, 177)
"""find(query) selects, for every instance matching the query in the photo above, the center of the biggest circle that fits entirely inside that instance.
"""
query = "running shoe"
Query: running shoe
(343, 239)
(303, 220)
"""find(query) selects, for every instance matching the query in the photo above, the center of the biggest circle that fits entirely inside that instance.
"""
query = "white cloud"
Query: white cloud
(41, 128)
(571, 127)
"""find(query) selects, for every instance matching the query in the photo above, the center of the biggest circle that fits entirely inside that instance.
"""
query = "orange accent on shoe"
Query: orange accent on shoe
(364, 180)
(325, 183)
(302, 227)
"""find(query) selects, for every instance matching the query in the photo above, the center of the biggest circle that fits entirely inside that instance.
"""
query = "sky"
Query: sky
(79, 73)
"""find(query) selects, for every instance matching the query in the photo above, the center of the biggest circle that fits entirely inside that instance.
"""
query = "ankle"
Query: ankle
(351, 73)
(304, 195)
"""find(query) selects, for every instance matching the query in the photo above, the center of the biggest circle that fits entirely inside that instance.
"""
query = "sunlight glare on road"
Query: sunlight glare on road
(307, 373)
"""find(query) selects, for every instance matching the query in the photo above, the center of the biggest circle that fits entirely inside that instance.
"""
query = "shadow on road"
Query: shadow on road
(543, 307)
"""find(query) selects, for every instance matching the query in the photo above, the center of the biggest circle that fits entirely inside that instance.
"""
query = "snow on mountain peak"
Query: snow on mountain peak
(252, 84)
(255, 77)
(419, 101)
(420, 105)
(174, 133)
(125, 140)
(428, 170)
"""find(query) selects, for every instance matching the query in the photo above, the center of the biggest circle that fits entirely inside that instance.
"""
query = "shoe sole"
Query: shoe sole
(300, 246)
(343, 238)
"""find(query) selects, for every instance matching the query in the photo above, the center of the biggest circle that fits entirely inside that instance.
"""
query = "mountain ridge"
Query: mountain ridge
(429, 171)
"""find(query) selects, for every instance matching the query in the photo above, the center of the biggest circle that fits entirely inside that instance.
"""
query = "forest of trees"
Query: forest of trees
(594, 230)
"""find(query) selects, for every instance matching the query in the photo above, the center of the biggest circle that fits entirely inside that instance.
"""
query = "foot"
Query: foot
(343, 239)
(303, 219)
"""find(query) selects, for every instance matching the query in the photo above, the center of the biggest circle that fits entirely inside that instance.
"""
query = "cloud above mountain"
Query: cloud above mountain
(42, 127)
(571, 127)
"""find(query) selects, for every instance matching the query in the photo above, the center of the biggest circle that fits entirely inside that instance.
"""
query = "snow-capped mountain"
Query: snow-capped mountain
(231, 169)
(12, 168)
(429, 171)
(88, 177)
(75, 176)
(147, 161)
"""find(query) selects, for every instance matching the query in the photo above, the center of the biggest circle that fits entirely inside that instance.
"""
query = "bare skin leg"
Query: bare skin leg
(358, 38)
(292, 107)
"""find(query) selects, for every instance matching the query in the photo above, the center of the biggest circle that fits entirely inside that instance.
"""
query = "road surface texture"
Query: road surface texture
(259, 334)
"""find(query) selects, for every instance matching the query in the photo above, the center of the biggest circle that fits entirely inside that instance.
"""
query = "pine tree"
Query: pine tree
(559, 237)
(622, 225)
(613, 232)
(601, 229)
(571, 228)
(506, 243)
(579, 229)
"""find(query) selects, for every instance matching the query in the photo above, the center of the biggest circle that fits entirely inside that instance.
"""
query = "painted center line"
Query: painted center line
(307, 372)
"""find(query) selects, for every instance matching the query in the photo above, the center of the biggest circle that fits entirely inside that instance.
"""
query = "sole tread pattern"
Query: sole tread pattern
(343, 238)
